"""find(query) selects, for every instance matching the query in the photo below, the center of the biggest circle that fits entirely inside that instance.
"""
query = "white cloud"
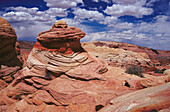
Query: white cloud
(73, 22)
(162, 18)
(34, 11)
(130, 2)
(30, 31)
(107, 1)
(62, 3)
(108, 20)
(133, 10)
(122, 25)
(154, 35)
(17, 16)
(150, 3)
(116, 36)
(95, 0)
(160, 26)
(28, 22)
(24, 9)
(27, 17)
(159, 41)
(86, 14)
(57, 12)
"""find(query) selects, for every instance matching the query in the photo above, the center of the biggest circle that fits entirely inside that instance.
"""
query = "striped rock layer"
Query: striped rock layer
(9, 50)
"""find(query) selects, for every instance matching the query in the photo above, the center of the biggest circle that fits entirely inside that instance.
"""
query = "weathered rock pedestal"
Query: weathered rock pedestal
(59, 74)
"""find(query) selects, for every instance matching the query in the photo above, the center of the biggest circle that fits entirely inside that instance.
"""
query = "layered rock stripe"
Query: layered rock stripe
(10, 62)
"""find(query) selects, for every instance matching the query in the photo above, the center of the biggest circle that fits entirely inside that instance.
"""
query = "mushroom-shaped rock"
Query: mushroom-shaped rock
(56, 53)
(59, 51)
(59, 36)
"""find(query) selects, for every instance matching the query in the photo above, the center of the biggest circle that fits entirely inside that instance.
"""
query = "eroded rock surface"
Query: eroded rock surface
(159, 59)
(60, 73)
(10, 61)
(152, 99)
(119, 57)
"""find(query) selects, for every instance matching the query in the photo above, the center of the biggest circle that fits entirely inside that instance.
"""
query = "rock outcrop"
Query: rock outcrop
(152, 61)
(119, 57)
(152, 99)
(10, 61)
(59, 74)
(167, 72)
(159, 58)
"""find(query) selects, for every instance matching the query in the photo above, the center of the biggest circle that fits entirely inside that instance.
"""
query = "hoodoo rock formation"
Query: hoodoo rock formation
(9, 50)
(59, 74)
(59, 51)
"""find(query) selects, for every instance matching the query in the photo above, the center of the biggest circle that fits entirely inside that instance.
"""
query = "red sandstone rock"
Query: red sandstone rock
(145, 100)
(58, 53)
(158, 60)
(119, 57)
(10, 61)
(167, 72)
(157, 57)
(148, 81)
(61, 36)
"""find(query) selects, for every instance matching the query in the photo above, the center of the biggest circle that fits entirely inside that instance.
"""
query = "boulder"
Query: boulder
(10, 61)
(166, 72)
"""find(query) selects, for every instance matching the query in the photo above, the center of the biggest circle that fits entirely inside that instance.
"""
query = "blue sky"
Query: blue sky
(142, 22)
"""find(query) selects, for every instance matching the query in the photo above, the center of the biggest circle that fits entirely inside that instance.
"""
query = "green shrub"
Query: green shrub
(160, 71)
(135, 70)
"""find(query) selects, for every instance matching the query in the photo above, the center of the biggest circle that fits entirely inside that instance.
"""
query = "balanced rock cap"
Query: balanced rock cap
(60, 32)
(60, 24)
